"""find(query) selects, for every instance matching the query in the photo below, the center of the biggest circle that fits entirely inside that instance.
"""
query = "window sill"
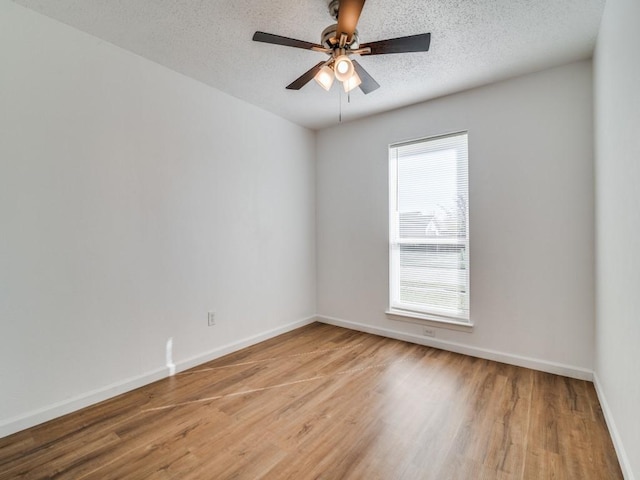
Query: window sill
(426, 319)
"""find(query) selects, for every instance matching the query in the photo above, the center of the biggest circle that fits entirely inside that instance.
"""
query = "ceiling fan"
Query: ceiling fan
(340, 41)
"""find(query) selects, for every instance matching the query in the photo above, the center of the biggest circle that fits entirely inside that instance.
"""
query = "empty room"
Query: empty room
(324, 239)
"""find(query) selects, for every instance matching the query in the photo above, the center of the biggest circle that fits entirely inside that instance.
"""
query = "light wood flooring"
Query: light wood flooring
(328, 403)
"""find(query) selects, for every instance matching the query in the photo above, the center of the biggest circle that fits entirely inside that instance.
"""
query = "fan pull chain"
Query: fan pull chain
(340, 104)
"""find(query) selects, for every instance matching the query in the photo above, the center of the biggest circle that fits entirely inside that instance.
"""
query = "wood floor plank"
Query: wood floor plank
(540, 463)
(324, 402)
(506, 448)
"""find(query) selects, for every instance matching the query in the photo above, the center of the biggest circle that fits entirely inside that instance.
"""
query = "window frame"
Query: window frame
(415, 312)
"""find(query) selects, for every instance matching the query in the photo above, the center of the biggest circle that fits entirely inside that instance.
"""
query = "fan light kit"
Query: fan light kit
(340, 41)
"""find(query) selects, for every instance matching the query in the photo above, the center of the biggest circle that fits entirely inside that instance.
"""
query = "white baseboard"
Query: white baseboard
(58, 409)
(41, 415)
(623, 459)
(235, 346)
(511, 359)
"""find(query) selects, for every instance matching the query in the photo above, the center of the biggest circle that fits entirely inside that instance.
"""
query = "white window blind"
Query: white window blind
(428, 227)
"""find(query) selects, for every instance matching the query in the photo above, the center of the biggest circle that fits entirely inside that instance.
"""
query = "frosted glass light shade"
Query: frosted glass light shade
(352, 82)
(325, 77)
(343, 68)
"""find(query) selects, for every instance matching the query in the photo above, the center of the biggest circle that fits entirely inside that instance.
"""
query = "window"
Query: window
(428, 228)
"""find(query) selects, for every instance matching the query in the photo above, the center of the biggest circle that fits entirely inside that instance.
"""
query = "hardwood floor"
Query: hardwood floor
(328, 403)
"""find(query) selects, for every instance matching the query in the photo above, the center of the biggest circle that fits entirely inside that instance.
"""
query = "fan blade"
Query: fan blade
(348, 15)
(305, 78)
(286, 41)
(412, 43)
(368, 84)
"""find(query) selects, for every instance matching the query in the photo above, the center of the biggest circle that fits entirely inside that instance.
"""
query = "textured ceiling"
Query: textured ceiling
(473, 42)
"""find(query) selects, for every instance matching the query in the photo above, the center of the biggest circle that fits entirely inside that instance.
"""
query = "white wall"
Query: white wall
(132, 201)
(531, 219)
(617, 100)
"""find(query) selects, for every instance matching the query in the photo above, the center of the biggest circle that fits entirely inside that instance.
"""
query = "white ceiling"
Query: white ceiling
(473, 42)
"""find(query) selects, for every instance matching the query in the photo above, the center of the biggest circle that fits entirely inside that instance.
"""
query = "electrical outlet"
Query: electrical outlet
(429, 332)
(211, 319)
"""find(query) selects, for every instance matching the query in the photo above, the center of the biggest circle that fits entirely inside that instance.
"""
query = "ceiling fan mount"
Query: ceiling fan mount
(334, 6)
(340, 41)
